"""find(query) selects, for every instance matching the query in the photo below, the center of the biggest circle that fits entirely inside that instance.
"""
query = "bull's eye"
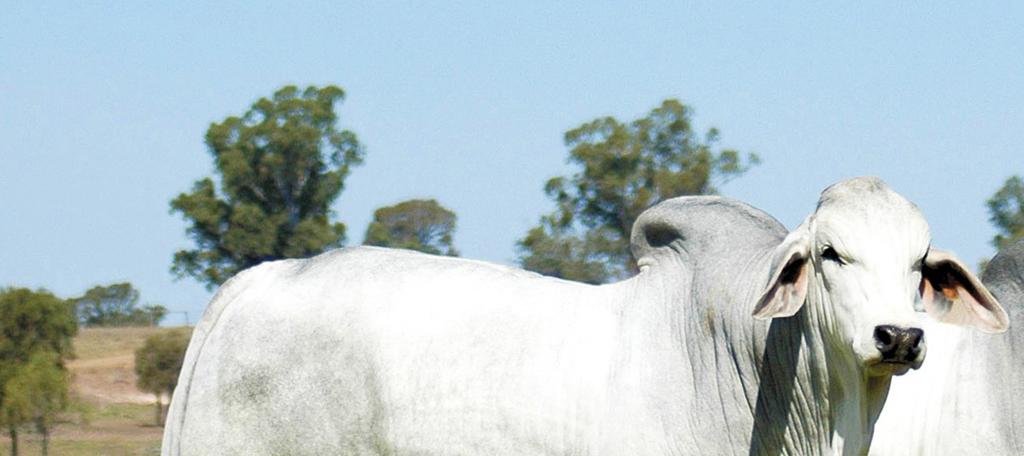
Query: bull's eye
(830, 254)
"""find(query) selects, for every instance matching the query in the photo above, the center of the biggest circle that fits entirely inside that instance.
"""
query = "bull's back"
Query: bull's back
(365, 351)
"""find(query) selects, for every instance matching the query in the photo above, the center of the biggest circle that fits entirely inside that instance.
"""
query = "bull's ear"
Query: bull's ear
(790, 272)
(950, 293)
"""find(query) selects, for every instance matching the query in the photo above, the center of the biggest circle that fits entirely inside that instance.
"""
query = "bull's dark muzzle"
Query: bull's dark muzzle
(898, 345)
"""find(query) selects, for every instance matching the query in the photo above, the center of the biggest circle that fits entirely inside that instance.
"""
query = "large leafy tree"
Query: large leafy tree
(157, 365)
(31, 322)
(1006, 212)
(280, 167)
(422, 225)
(622, 169)
(115, 305)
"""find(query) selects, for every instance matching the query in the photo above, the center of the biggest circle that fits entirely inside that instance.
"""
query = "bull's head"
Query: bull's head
(863, 264)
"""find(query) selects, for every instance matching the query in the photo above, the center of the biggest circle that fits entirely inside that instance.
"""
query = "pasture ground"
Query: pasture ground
(108, 414)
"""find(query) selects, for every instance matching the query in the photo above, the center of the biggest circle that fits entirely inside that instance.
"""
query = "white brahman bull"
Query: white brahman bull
(374, 351)
(969, 398)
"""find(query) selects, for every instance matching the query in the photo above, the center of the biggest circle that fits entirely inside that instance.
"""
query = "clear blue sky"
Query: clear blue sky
(103, 108)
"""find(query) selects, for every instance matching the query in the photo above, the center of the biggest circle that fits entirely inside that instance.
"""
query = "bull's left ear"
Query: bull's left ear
(952, 294)
(790, 271)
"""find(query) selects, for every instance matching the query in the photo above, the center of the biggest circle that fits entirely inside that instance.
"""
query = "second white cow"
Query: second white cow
(373, 351)
(969, 398)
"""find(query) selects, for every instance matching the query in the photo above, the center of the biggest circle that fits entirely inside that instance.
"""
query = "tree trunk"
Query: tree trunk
(159, 410)
(46, 440)
(14, 440)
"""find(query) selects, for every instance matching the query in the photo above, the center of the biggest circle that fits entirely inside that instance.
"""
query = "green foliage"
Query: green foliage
(422, 225)
(623, 170)
(115, 305)
(281, 165)
(37, 390)
(36, 393)
(36, 328)
(31, 321)
(554, 253)
(158, 363)
(1006, 212)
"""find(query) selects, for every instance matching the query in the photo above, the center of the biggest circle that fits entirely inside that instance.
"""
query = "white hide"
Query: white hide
(968, 399)
(375, 351)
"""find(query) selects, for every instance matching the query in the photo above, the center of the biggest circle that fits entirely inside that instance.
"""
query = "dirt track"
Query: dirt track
(110, 379)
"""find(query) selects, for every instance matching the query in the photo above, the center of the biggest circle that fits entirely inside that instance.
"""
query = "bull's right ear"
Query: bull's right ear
(790, 271)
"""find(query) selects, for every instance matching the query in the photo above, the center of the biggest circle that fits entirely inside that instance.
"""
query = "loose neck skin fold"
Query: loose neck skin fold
(828, 403)
(782, 383)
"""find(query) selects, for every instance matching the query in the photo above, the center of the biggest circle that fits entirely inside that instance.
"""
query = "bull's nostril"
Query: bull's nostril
(914, 337)
(885, 338)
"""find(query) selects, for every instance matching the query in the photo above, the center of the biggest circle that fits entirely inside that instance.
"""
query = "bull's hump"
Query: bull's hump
(700, 227)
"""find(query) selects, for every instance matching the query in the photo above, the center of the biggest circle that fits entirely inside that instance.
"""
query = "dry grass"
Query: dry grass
(105, 366)
(99, 343)
(101, 429)
(109, 415)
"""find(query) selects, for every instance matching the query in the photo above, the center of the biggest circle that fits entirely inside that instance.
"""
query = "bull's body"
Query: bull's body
(375, 351)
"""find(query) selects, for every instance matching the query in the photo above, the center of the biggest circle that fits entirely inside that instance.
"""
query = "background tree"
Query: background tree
(280, 167)
(1006, 212)
(115, 305)
(560, 253)
(422, 225)
(157, 365)
(35, 394)
(623, 169)
(31, 322)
